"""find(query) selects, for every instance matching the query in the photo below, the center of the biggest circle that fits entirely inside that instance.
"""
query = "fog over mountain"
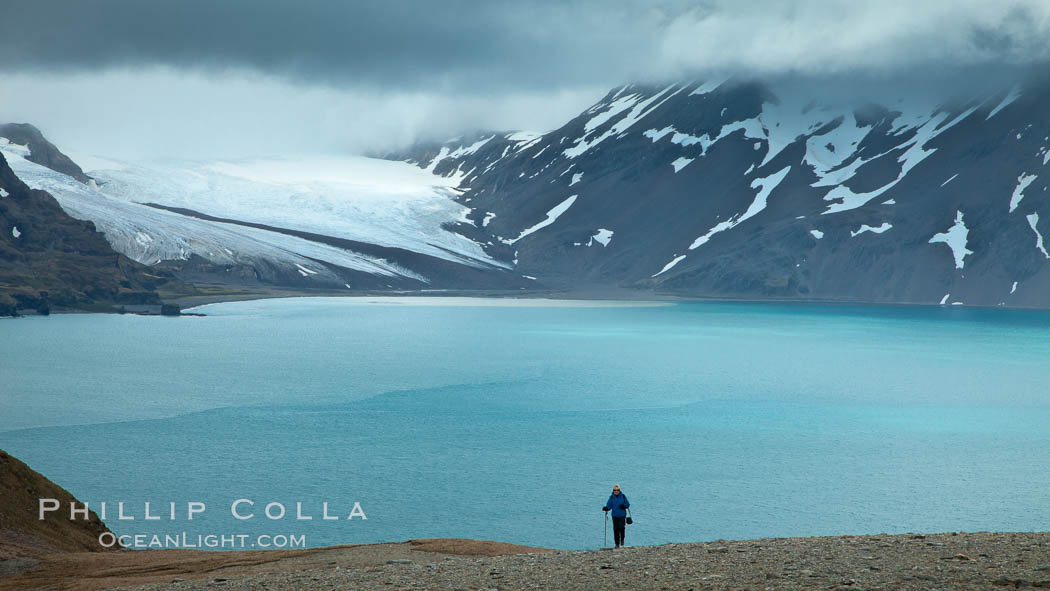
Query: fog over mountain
(259, 78)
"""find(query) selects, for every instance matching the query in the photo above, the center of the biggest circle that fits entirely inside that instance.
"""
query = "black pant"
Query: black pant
(619, 525)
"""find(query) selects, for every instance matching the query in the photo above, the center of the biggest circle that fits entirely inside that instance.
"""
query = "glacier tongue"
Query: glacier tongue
(328, 197)
(380, 202)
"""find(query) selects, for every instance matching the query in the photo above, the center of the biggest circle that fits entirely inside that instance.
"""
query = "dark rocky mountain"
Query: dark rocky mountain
(733, 191)
(48, 259)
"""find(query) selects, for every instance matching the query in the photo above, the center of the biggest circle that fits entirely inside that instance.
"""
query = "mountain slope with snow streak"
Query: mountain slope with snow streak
(733, 189)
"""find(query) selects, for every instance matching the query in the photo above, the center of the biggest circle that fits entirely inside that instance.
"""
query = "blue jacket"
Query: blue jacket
(615, 502)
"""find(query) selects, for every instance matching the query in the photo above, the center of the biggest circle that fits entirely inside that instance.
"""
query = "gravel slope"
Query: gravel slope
(936, 561)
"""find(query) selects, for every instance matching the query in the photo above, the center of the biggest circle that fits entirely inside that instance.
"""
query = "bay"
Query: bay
(511, 419)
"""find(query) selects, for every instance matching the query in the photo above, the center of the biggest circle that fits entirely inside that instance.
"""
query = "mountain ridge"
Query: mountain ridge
(724, 189)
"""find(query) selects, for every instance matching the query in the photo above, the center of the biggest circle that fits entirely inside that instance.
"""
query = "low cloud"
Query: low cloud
(255, 76)
(821, 37)
(165, 112)
(525, 44)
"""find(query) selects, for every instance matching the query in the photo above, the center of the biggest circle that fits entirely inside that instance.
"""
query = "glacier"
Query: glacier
(354, 198)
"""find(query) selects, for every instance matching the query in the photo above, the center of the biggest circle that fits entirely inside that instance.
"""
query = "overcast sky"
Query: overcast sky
(132, 78)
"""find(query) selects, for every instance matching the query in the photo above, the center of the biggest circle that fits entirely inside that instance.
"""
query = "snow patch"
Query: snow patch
(1033, 221)
(639, 109)
(655, 134)
(955, 238)
(488, 218)
(817, 234)
(576, 178)
(4, 193)
(552, 216)
(866, 228)
(767, 185)
(890, 202)
(1022, 183)
(915, 154)
(1011, 97)
(708, 86)
(681, 163)
(15, 232)
(442, 153)
(752, 130)
(305, 271)
(950, 179)
(602, 237)
(523, 136)
(669, 265)
(468, 150)
(684, 139)
(830, 149)
(615, 108)
(1013, 288)
(944, 300)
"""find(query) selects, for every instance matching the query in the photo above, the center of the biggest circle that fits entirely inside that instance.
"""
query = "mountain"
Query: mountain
(49, 259)
(722, 189)
(728, 189)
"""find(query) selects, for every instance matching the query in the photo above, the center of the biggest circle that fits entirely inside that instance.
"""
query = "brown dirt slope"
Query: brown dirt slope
(22, 533)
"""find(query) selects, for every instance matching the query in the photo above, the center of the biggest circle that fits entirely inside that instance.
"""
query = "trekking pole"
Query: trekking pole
(605, 539)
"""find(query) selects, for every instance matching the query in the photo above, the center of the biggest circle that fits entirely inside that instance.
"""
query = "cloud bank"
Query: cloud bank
(328, 74)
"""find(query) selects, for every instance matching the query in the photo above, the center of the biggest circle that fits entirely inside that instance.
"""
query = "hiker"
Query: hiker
(618, 504)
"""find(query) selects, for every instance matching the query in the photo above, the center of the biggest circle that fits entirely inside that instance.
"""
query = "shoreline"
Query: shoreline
(596, 294)
(611, 295)
(956, 560)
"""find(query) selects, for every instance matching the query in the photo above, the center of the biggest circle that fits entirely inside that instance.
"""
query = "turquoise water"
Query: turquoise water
(511, 421)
